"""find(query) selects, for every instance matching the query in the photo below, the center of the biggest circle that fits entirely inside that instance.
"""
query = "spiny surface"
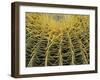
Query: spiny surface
(56, 39)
